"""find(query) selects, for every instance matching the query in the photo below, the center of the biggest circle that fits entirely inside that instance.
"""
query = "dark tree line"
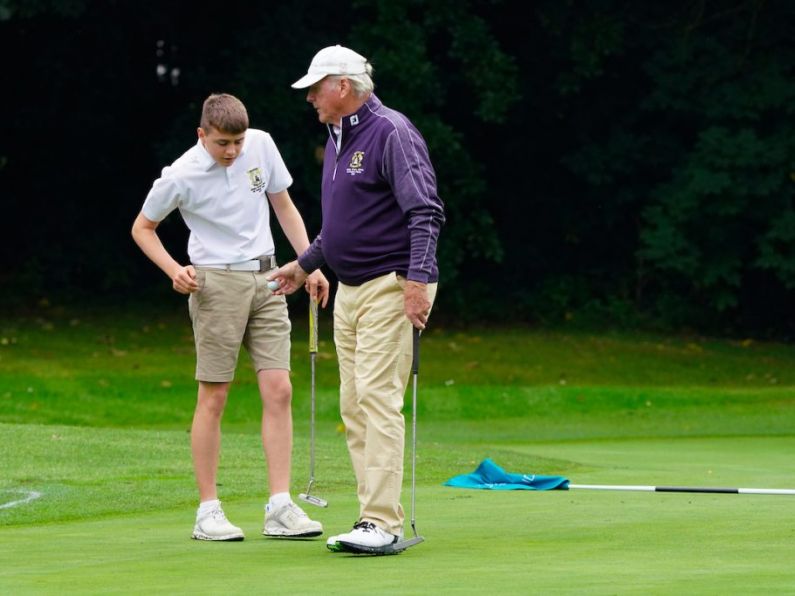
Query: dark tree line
(603, 162)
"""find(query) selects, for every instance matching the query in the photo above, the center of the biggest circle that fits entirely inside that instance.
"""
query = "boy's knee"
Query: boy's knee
(277, 391)
(212, 397)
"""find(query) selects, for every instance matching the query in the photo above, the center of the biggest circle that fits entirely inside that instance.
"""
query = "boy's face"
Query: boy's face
(223, 147)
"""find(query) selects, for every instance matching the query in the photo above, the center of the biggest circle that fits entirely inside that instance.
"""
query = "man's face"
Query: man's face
(224, 147)
(326, 97)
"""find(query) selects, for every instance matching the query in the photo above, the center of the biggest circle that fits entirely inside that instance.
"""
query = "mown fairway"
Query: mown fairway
(94, 412)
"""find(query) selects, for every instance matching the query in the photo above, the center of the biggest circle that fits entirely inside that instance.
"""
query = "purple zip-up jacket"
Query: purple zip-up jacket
(380, 209)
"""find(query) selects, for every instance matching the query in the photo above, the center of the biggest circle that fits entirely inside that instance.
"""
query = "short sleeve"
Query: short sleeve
(279, 177)
(163, 198)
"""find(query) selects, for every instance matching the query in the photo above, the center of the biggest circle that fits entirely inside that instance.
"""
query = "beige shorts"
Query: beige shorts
(234, 308)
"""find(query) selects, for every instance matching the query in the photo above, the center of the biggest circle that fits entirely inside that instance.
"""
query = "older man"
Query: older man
(381, 222)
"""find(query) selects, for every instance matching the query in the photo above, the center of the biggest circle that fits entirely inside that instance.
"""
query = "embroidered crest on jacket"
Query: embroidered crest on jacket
(357, 160)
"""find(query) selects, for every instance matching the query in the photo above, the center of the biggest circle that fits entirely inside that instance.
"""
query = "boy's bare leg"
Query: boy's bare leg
(205, 442)
(205, 436)
(285, 520)
(277, 426)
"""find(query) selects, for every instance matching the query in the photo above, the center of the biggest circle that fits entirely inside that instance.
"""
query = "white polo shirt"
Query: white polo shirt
(226, 209)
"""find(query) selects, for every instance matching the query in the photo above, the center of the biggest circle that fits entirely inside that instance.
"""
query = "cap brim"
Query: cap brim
(308, 80)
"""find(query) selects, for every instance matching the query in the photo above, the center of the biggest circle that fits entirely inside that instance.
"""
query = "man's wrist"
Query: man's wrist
(304, 265)
(418, 277)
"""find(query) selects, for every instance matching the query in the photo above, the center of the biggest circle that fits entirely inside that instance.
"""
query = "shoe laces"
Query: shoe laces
(218, 514)
(364, 526)
(296, 509)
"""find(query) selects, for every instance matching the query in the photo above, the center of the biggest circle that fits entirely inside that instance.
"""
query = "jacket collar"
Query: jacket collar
(351, 121)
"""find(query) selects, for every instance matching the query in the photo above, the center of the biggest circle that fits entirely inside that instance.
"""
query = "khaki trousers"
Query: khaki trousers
(374, 348)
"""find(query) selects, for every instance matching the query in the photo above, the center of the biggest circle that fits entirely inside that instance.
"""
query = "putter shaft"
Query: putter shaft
(415, 369)
(307, 497)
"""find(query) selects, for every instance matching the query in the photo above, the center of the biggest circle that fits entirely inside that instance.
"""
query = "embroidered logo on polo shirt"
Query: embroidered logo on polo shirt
(355, 167)
(256, 183)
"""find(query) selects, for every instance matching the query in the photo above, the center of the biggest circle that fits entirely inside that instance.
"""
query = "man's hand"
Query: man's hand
(416, 303)
(317, 287)
(290, 277)
(184, 280)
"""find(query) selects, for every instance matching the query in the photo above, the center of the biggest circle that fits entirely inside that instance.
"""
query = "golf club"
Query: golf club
(399, 547)
(686, 489)
(415, 369)
(308, 496)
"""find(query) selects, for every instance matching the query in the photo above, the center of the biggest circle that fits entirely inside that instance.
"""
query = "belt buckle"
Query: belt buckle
(266, 263)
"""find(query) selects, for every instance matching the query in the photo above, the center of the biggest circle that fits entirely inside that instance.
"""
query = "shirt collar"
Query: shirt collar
(206, 160)
(362, 114)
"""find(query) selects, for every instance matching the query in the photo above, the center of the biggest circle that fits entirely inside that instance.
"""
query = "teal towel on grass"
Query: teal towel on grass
(490, 476)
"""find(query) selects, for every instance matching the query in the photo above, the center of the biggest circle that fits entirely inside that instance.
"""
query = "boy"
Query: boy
(222, 187)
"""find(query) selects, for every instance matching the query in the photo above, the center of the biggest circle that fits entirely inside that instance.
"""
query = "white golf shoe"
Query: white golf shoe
(290, 521)
(365, 536)
(215, 526)
(333, 544)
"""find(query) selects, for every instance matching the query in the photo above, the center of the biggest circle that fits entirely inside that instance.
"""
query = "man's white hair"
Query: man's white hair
(362, 83)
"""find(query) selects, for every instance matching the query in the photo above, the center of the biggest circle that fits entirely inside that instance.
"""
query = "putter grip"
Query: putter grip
(312, 326)
(415, 359)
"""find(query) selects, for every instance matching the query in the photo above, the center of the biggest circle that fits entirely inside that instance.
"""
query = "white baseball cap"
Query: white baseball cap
(333, 60)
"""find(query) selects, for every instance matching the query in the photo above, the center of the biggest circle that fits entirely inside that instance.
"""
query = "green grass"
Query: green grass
(94, 413)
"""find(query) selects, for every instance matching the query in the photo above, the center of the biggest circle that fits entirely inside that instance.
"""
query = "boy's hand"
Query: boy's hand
(184, 280)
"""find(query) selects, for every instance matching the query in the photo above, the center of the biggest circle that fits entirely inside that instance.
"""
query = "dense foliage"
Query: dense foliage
(601, 161)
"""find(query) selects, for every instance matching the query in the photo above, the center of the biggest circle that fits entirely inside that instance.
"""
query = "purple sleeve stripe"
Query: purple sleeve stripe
(427, 246)
(396, 122)
(400, 126)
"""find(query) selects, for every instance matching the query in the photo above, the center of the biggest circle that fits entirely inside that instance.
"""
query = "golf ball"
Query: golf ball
(273, 285)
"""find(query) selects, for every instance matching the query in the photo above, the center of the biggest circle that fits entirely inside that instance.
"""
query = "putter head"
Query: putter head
(404, 544)
(389, 549)
(313, 500)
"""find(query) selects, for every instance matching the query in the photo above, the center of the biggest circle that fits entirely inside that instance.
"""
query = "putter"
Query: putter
(415, 369)
(308, 496)
(399, 547)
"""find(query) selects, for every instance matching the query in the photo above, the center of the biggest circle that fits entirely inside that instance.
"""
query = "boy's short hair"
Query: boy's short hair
(225, 113)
